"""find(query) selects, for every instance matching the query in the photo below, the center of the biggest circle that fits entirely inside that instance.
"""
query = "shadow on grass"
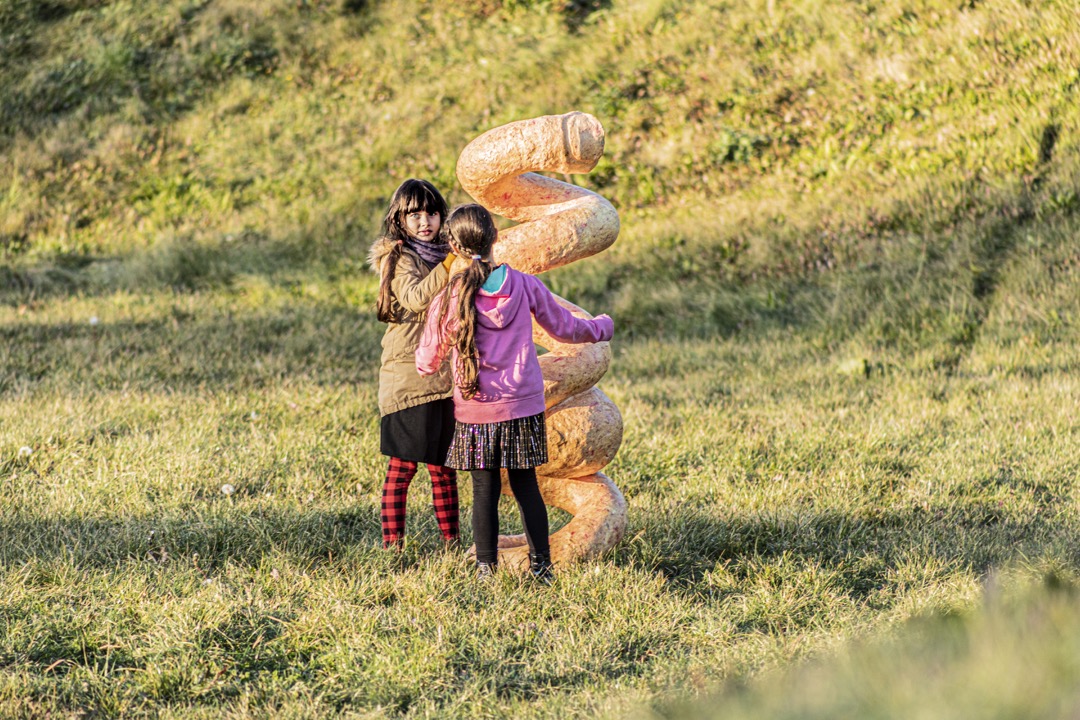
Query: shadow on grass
(236, 535)
(332, 244)
(863, 553)
(907, 301)
(166, 74)
(686, 546)
(330, 343)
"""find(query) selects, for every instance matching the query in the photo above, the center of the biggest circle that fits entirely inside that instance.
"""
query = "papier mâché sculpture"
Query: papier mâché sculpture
(559, 223)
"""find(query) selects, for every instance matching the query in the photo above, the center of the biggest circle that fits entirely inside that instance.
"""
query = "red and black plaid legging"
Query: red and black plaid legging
(444, 497)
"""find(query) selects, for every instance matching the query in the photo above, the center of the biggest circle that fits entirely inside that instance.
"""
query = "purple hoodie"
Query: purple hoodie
(510, 383)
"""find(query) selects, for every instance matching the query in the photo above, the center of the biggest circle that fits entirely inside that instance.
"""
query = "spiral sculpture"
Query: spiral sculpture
(558, 224)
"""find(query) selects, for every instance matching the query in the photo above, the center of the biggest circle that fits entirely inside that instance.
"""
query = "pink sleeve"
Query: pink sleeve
(434, 345)
(560, 323)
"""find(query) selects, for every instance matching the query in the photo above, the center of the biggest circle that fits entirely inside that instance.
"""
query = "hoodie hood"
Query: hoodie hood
(497, 308)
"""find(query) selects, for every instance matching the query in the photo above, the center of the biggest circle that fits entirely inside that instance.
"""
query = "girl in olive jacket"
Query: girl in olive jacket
(417, 413)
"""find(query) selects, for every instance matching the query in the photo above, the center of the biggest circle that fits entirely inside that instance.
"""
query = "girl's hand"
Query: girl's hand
(607, 324)
(449, 260)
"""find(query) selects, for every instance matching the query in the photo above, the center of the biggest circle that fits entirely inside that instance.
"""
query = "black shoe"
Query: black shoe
(486, 570)
(541, 568)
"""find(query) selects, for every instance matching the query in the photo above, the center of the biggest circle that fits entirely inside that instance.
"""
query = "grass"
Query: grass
(781, 504)
(846, 310)
(1013, 656)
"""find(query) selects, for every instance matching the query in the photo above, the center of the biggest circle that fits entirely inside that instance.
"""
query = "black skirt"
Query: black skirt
(512, 444)
(421, 434)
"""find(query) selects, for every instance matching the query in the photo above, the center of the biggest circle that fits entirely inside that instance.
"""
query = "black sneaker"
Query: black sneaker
(541, 569)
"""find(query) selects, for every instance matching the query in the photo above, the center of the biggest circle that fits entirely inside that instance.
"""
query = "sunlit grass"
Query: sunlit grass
(845, 298)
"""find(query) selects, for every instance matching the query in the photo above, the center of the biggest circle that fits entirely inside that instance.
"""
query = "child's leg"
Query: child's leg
(487, 486)
(445, 499)
(533, 511)
(395, 491)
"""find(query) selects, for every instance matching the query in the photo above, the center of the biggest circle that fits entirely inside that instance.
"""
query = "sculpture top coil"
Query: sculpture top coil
(559, 223)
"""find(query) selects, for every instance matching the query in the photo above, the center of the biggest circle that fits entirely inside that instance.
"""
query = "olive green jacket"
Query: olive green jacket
(414, 286)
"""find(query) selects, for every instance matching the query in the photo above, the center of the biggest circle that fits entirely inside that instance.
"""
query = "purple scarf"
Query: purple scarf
(432, 253)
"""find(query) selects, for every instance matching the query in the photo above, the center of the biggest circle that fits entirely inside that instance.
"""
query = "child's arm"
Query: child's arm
(434, 342)
(560, 323)
(414, 286)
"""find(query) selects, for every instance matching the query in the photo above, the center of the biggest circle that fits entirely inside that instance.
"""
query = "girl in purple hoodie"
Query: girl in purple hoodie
(485, 317)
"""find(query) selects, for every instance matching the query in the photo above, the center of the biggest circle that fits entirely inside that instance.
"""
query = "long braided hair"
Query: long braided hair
(471, 233)
(411, 196)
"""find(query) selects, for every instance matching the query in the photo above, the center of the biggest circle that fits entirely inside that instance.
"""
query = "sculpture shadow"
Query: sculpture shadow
(864, 551)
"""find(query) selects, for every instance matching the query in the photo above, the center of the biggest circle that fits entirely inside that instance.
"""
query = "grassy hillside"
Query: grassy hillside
(846, 298)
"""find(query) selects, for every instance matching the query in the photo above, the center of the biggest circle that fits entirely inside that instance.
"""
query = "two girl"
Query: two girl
(417, 413)
(485, 319)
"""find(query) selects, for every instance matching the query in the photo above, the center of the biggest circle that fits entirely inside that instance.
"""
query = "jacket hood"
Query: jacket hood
(498, 309)
(378, 252)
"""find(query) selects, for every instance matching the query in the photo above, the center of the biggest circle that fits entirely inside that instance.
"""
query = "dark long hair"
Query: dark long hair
(471, 233)
(411, 196)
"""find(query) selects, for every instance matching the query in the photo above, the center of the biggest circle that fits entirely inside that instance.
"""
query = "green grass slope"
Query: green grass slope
(846, 304)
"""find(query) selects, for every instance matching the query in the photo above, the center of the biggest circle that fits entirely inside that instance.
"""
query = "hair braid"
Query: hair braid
(468, 283)
(471, 232)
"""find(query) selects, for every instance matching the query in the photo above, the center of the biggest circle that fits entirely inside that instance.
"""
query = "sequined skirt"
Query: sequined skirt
(513, 444)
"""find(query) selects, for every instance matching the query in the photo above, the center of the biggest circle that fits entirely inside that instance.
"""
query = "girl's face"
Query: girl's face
(423, 225)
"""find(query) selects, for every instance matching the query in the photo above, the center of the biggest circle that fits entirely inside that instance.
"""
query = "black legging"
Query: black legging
(487, 486)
